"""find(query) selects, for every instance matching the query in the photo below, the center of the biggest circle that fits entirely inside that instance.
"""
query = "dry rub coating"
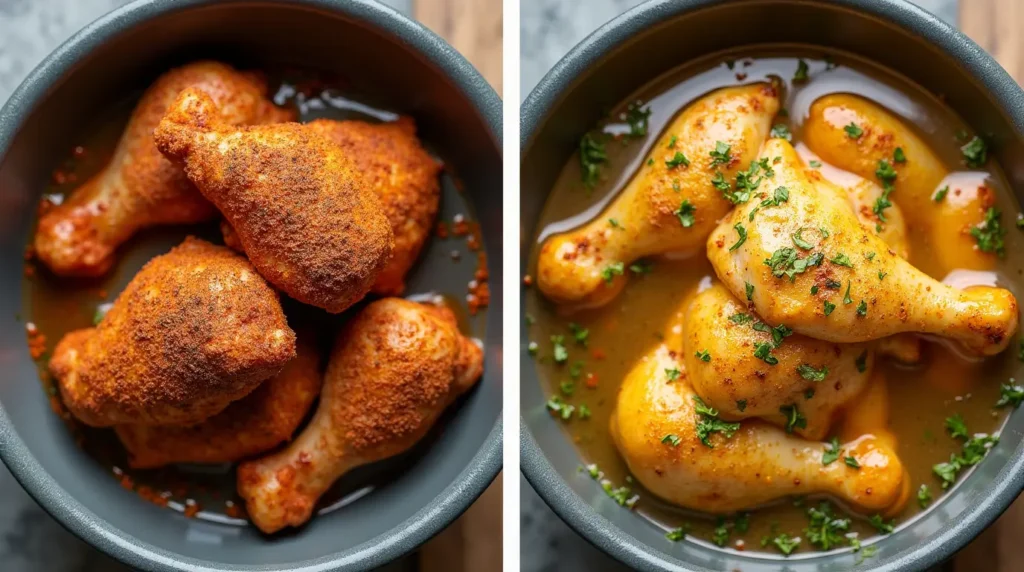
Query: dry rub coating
(195, 329)
(252, 425)
(309, 222)
(393, 370)
(140, 188)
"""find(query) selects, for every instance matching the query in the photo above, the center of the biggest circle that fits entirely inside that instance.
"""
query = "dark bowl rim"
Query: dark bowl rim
(69, 512)
(539, 472)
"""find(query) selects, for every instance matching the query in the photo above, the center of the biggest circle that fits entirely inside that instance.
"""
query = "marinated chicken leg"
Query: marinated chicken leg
(393, 370)
(671, 204)
(655, 427)
(793, 377)
(195, 329)
(809, 264)
(252, 425)
(140, 188)
(308, 220)
(404, 177)
(947, 223)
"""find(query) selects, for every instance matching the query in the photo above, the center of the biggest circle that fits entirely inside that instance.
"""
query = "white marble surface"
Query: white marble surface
(550, 28)
(31, 541)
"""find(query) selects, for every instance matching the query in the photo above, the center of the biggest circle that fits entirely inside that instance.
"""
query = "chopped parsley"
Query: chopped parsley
(798, 239)
(941, 194)
(842, 260)
(783, 542)
(956, 427)
(869, 255)
(781, 131)
(882, 275)
(829, 307)
(560, 408)
(786, 262)
(974, 450)
(721, 534)
(579, 333)
(924, 496)
(677, 534)
(975, 152)
(685, 213)
(672, 439)
(800, 75)
(672, 374)
(708, 423)
(567, 387)
(1010, 394)
(615, 223)
(637, 118)
(853, 131)
(561, 354)
(721, 154)
(703, 355)
(880, 525)
(592, 156)
(989, 234)
(641, 267)
(741, 404)
(814, 164)
(583, 412)
(809, 372)
(846, 297)
(611, 271)
(862, 361)
(742, 232)
(898, 156)
(794, 419)
(741, 318)
(831, 454)
(862, 309)
(825, 530)
(763, 351)
(885, 172)
(750, 290)
(672, 141)
(851, 462)
(677, 160)
(780, 333)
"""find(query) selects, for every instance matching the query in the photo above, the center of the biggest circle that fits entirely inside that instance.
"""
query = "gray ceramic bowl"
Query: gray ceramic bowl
(402, 66)
(655, 37)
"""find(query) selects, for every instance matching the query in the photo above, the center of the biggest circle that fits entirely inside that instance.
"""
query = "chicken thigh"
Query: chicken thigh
(658, 425)
(809, 264)
(195, 329)
(948, 222)
(745, 368)
(252, 425)
(671, 204)
(307, 219)
(403, 175)
(394, 368)
(139, 188)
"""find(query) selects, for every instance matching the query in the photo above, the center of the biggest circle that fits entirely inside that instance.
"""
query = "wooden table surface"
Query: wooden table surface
(473, 542)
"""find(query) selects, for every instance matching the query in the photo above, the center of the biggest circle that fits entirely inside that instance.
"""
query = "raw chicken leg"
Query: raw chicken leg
(307, 219)
(809, 264)
(655, 427)
(816, 377)
(671, 204)
(946, 222)
(194, 330)
(393, 370)
(140, 188)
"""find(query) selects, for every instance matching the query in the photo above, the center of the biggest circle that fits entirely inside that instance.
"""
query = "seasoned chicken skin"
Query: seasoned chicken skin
(946, 223)
(195, 329)
(140, 188)
(758, 464)
(403, 175)
(816, 377)
(668, 206)
(393, 370)
(252, 425)
(861, 289)
(307, 219)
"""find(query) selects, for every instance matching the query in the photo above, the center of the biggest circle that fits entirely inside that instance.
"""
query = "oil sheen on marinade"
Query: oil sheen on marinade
(625, 329)
(57, 306)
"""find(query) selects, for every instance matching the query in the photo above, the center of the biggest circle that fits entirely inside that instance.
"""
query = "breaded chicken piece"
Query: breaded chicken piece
(252, 425)
(309, 222)
(140, 188)
(195, 329)
(394, 368)
(403, 175)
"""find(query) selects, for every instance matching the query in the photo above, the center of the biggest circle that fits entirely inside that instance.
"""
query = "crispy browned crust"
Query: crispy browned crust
(195, 329)
(140, 187)
(254, 424)
(393, 370)
(305, 217)
(403, 175)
